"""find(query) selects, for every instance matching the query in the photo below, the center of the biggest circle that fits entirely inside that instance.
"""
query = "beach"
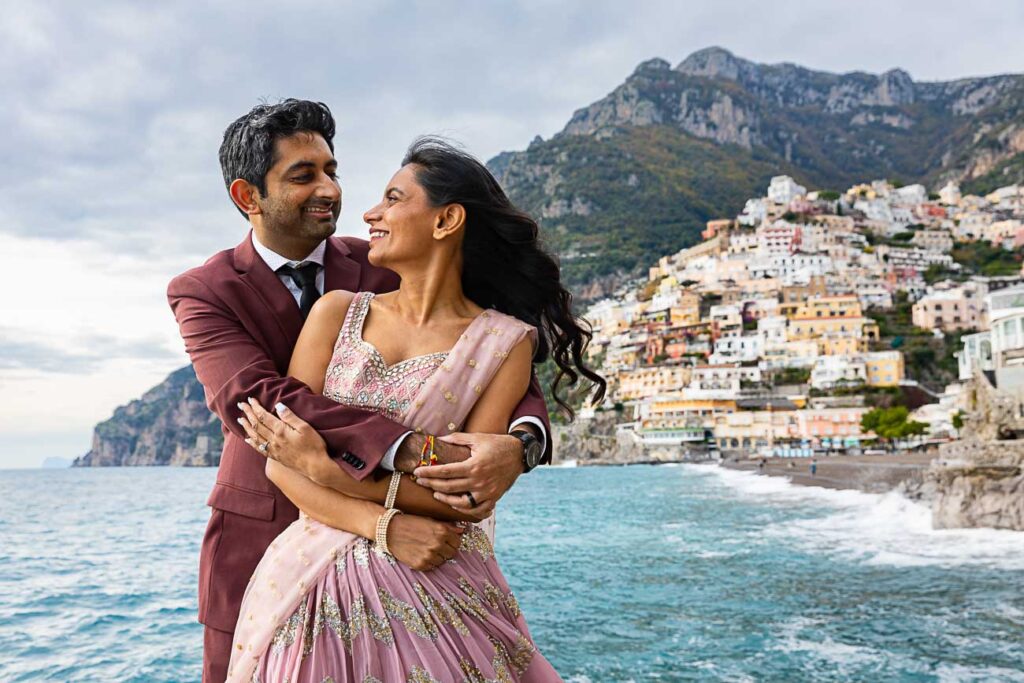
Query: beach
(868, 473)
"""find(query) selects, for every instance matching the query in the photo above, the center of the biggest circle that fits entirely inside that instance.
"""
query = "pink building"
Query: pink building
(950, 310)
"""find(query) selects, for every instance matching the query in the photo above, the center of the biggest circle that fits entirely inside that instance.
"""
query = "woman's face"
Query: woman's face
(402, 224)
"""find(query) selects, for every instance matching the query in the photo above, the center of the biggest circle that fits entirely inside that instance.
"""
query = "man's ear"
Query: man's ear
(450, 220)
(245, 195)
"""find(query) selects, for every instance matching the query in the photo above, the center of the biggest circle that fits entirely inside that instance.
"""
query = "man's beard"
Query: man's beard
(283, 221)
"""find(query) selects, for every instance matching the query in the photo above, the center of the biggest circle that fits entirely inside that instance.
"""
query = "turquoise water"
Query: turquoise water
(625, 574)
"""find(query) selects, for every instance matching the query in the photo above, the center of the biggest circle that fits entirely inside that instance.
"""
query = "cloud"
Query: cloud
(88, 354)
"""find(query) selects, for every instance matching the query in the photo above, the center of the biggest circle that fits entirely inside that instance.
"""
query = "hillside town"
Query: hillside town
(799, 326)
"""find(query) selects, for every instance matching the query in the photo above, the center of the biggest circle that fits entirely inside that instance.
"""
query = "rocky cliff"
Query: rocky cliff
(596, 441)
(635, 175)
(169, 425)
(977, 484)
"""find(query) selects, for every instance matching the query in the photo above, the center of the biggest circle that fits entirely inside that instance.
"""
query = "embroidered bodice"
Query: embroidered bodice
(358, 376)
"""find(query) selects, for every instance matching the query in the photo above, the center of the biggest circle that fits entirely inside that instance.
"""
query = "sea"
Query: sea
(668, 573)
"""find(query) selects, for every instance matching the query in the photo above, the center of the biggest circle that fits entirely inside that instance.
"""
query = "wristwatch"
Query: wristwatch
(532, 450)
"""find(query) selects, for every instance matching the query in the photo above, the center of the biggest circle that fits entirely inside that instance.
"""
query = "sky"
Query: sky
(112, 113)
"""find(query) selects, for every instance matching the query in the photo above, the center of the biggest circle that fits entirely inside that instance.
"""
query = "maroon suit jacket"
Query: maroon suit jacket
(240, 324)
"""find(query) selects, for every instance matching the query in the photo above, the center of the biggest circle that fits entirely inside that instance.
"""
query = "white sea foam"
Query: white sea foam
(844, 659)
(955, 673)
(876, 529)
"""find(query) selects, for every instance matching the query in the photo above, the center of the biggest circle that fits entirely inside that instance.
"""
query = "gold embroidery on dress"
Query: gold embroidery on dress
(369, 678)
(286, 633)
(474, 538)
(519, 659)
(340, 563)
(521, 655)
(492, 596)
(407, 614)
(474, 675)
(379, 552)
(443, 612)
(474, 603)
(359, 619)
(419, 675)
(361, 552)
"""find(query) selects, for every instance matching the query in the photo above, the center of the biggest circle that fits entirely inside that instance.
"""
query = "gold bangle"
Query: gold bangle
(382, 528)
(389, 501)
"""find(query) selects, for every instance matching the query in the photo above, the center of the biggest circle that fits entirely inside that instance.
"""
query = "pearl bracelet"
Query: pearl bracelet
(389, 501)
(382, 528)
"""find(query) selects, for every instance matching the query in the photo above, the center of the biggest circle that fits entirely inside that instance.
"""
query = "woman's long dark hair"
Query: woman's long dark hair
(504, 265)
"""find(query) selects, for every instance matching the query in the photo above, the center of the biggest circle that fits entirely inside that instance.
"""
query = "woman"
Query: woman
(357, 591)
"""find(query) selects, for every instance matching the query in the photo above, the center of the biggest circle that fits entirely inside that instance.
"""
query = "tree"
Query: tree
(890, 424)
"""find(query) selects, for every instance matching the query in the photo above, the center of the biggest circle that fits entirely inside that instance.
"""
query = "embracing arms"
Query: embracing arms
(233, 365)
(415, 539)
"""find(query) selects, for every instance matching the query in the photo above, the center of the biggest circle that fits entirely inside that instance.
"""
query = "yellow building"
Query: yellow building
(884, 368)
(861, 328)
(687, 311)
(841, 345)
(674, 412)
(841, 306)
(651, 380)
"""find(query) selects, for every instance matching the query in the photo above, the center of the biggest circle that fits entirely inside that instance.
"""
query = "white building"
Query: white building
(910, 195)
(745, 347)
(784, 189)
(950, 194)
(754, 212)
(832, 371)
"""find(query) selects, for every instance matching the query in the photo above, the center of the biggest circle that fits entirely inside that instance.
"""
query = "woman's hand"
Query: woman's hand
(290, 440)
(422, 543)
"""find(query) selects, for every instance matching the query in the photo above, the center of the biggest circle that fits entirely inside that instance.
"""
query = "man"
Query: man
(240, 314)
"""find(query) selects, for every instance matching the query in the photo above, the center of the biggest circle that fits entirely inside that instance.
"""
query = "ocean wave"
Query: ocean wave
(875, 529)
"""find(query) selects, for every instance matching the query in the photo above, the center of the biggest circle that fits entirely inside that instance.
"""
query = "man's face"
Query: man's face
(303, 196)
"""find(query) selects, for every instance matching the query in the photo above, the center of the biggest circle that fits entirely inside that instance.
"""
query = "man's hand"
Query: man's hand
(423, 543)
(474, 486)
(290, 440)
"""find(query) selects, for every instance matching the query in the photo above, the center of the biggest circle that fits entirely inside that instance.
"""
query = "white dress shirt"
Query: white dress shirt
(275, 261)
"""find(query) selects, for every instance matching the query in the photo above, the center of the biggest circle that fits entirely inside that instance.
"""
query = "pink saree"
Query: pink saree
(327, 606)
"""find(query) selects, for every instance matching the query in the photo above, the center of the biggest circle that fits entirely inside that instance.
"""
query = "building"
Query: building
(950, 194)
(950, 310)
(884, 368)
(830, 372)
(934, 239)
(651, 380)
(783, 190)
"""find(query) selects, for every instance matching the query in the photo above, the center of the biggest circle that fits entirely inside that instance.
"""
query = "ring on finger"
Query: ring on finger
(264, 447)
(472, 500)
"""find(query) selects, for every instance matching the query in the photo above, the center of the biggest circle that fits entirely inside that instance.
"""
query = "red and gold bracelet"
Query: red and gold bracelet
(427, 454)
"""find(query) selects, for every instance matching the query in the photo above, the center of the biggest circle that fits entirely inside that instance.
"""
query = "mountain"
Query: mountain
(169, 425)
(636, 174)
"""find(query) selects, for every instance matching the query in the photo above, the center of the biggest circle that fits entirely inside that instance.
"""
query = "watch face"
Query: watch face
(533, 454)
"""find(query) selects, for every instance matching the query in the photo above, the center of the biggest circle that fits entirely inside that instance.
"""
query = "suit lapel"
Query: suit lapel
(340, 270)
(264, 283)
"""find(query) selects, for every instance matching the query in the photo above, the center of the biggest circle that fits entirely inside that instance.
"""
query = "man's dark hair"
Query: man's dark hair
(247, 151)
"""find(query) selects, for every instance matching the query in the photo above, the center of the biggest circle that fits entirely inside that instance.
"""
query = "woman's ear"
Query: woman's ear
(245, 195)
(450, 220)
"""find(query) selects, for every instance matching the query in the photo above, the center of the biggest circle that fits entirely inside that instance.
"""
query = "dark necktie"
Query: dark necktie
(305, 278)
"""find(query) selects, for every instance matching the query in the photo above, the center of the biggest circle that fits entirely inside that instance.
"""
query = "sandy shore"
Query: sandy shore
(871, 473)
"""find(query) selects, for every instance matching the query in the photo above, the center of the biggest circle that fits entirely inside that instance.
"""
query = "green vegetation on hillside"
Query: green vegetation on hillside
(648, 192)
(983, 258)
